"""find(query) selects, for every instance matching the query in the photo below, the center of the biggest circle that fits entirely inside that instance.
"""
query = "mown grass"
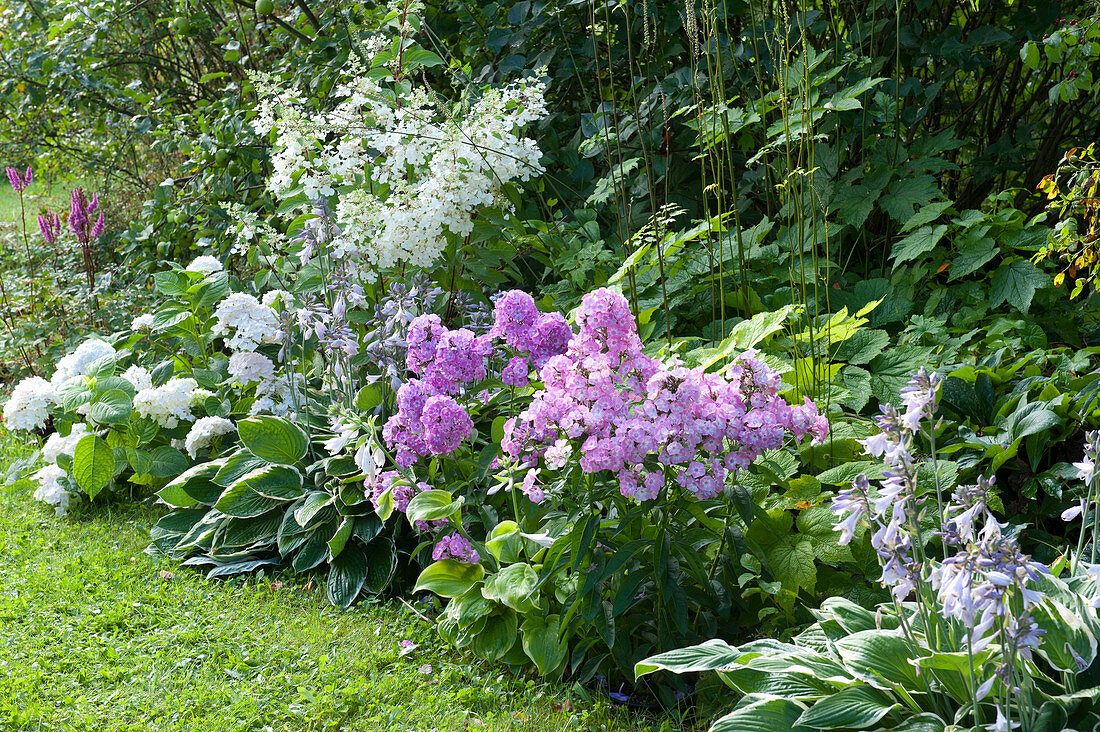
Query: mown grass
(94, 635)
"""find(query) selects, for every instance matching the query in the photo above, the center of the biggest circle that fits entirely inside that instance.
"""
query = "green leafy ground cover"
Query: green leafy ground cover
(96, 636)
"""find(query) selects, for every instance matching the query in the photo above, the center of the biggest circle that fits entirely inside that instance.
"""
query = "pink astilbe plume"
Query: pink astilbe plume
(20, 183)
(80, 217)
(49, 226)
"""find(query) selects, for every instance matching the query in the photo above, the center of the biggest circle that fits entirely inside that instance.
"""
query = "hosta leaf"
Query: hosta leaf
(381, 558)
(761, 715)
(260, 491)
(449, 577)
(856, 707)
(707, 656)
(432, 505)
(346, 575)
(879, 654)
(274, 439)
(542, 644)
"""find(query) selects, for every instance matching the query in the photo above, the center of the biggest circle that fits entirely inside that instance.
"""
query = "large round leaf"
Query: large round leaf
(112, 407)
(260, 491)
(274, 439)
(448, 577)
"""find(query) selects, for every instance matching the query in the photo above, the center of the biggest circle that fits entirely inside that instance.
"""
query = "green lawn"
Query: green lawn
(94, 635)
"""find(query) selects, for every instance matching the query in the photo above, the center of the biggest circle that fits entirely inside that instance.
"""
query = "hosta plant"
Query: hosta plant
(978, 635)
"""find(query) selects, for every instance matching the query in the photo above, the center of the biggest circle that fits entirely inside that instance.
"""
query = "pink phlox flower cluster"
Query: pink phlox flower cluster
(20, 183)
(426, 423)
(537, 336)
(635, 416)
(456, 547)
(446, 359)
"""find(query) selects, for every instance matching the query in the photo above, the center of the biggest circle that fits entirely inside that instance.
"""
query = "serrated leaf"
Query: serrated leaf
(920, 242)
(972, 257)
(93, 464)
(1016, 283)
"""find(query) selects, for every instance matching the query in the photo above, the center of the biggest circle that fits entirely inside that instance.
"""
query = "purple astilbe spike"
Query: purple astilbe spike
(20, 183)
(80, 217)
(49, 226)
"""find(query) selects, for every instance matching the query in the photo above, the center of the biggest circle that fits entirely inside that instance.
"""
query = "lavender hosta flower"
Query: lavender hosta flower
(20, 183)
(456, 547)
(853, 503)
(49, 226)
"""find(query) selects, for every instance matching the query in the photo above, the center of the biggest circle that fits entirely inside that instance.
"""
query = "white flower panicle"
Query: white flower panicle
(418, 171)
(168, 404)
(28, 408)
(245, 322)
(204, 431)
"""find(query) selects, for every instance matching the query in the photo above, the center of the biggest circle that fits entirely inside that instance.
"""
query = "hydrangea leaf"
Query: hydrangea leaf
(93, 464)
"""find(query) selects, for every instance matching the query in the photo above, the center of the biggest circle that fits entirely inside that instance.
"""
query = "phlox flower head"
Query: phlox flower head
(455, 547)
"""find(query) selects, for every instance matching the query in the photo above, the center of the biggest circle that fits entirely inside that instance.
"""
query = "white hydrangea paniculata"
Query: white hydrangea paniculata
(419, 170)
(245, 322)
(57, 445)
(202, 434)
(77, 362)
(28, 408)
(169, 403)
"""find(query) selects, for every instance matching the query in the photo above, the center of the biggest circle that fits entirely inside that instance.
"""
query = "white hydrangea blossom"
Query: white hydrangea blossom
(205, 264)
(28, 408)
(50, 489)
(245, 322)
(277, 396)
(248, 366)
(140, 377)
(58, 445)
(169, 403)
(143, 323)
(282, 298)
(439, 167)
(204, 431)
(77, 362)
